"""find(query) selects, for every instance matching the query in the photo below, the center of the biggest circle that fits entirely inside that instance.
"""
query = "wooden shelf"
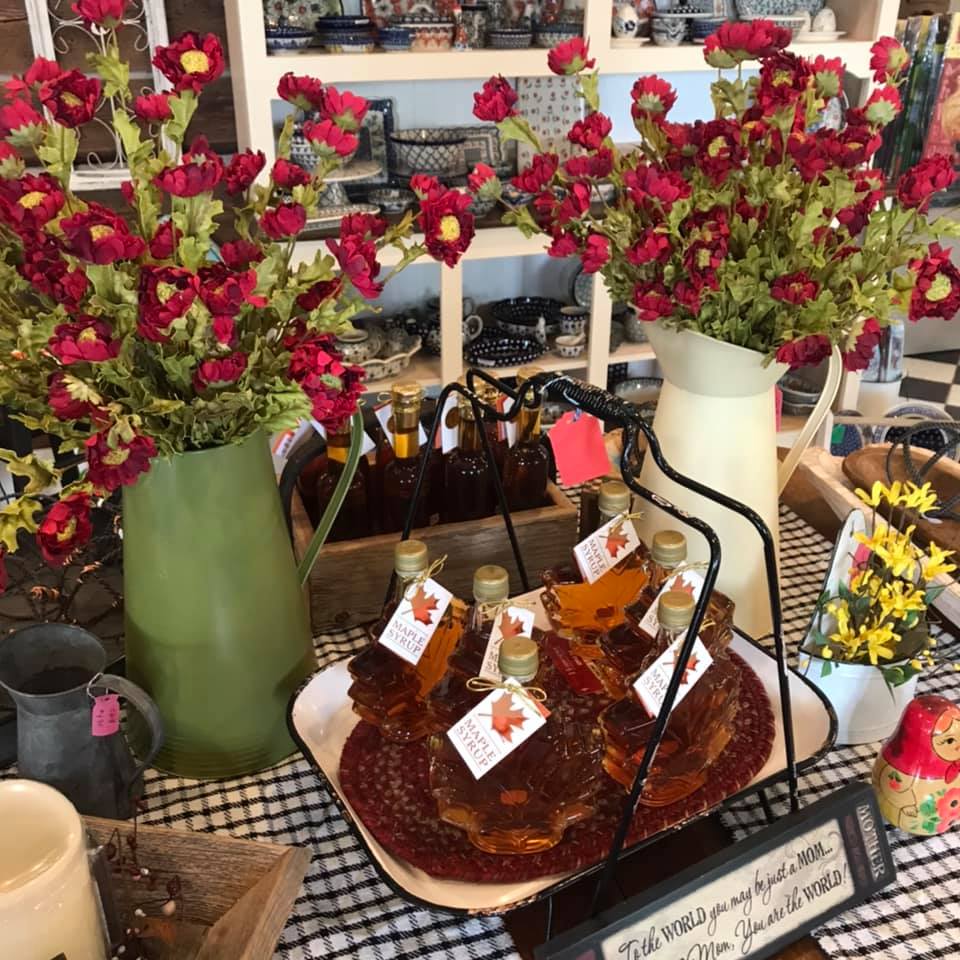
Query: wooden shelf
(631, 352)
(423, 368)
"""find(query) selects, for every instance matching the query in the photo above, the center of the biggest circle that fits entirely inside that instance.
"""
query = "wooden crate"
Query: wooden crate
(349, 578)
(236, 894)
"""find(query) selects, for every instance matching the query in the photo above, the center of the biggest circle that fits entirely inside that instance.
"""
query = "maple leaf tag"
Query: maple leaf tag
(422, 606)
(504, 716)
(692, 664)
(616, 539)
(680, 584)
(510, 627)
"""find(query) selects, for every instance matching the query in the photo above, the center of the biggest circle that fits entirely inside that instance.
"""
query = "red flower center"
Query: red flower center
(195, 61)
(70, 99)
(101, 231)
(782, 78)
(87, 335)
(116, 457)
(717, 146)
(32, 199)
(67, 533)
(449, 229)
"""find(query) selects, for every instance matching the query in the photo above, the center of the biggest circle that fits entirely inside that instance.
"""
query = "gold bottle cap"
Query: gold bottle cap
(614, 497)
(487, 392)
(406, 393)
(491, 583)
(519, 657)
(526, 372)
(466, 409)
(675, 610)
(410, 557)
(669, 547)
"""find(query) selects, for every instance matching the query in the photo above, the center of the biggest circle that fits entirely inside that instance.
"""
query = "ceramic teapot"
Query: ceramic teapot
(917, 774)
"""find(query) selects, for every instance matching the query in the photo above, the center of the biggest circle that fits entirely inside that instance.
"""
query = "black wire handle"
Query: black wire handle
(950, 432)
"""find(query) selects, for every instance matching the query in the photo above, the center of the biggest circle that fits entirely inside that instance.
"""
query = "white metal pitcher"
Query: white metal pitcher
(716, 423)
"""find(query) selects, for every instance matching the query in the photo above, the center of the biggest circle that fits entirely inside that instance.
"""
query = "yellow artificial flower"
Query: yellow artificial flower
(934, 564)
(881, 494)
(897, 551)
(922, 499)
(899, 598)
(880, 642)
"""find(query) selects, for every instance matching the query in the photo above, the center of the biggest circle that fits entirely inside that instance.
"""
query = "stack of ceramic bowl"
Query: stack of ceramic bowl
(548, 35)
(396, 39)
(285, 37)
(703, 27)
(346, 34)
(427, 33)
(433, 151)
(510, 38)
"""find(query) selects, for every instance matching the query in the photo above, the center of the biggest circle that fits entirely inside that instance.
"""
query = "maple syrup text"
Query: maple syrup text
(476, 742)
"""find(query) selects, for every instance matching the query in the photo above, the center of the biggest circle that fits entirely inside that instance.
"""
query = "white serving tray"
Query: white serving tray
(321, 719)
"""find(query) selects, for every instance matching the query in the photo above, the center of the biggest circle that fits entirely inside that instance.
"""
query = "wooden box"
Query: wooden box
(236, 894)
(350, 578)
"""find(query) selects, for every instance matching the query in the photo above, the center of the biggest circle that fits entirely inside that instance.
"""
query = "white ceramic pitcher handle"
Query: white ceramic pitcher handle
(816, 418)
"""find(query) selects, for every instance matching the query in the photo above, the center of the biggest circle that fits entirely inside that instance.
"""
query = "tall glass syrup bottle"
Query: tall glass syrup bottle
(585, 610)
(697, 731)
(400, 474)
(526, 468)
(526, 802)
(490, 395)
(468, 489)
(353, 518)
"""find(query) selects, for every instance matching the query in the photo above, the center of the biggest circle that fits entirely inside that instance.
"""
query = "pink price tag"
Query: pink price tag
(578, 448)
(778, 406)
(105, 718)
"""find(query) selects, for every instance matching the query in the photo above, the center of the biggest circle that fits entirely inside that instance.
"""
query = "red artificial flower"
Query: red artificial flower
(164, 241)
(330, 140)
(129, 192)
(870, 189)
(283, 221)
(828, 76)
(564, 245)
(651, 301)
(40, 71)
(590, 132)
(447, 225)
(808, 157)
(863, 349)
(652, 98)
(570, 57)
(61, 402)
(481, 175)
(804, 352)
(199, 172)
(153, 107)
(44, 267)
(29, 202)
(425, 186)
(364, 225)
(936, 290)
(495, 101)
(110, 468)
(346, 109)
(575, 203)
(220, 372)
(653, 246)
(735, 42)
(243, 169)
(648, 183)
(332, 387)
(84, 340)
(883, 106)
(931, 175)
(720, 150)
(303, 92)
(320, 293)
(191, 61)
(784, 78)
(595, 253)
(538, 174)
(103, 13)
(65, 529)
(288, 175)
(224, 330)
(71, 98)
(226, 292)
(854, 145)
(888, 60)
(20, 118)
(166, 293)
(688, 295)
(594, 165)
(99, 235)
(239, 254)
(358, 262)
(797, 288)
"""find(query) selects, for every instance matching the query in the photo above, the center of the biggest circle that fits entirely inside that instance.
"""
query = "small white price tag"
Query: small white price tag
(651, 686)
(511, 622)
(690, 581)
(495, 727)
(450, 424)
(384, 413)
(413, 623)
(606, 547)
(509, 426)
(367, 446)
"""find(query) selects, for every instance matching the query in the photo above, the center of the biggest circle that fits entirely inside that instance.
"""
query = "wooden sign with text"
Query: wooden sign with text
(755, 897)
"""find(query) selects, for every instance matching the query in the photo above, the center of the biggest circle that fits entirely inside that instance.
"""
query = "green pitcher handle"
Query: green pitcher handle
(336, 501)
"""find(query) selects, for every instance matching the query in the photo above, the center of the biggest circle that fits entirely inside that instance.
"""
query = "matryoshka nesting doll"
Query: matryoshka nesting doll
(917, 775)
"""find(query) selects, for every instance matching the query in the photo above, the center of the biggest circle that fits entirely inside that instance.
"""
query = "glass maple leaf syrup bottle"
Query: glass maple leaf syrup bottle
(400, 473)
(468, 488)
(698, 729)
(526, 467)
(525, 802)
(353, 518)
(585, 610)
(494, 429)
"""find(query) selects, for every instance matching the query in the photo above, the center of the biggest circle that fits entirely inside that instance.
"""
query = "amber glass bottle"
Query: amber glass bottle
(450, 698)
(468, 491)
(526, 802)
(526, 468)
(585, 610)
(490, 395)
(400, 474)
(699, 727)
(353, 519)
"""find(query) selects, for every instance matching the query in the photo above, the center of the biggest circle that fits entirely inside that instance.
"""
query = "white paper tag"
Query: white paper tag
(651, 686)
(494, 728)
(450, 425)
(413, 623)
(366, 446)
(509, 426)
(384, 414)
(282, 443)
(517, 622)
(606, 547)
(690, 581)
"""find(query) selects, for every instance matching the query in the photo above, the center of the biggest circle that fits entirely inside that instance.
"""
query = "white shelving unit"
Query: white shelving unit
(255, 74)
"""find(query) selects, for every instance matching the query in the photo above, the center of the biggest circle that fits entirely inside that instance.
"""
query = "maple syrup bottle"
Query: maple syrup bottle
(400, 474)
(450, 698)
(526, 468)
(525, 803)
(490, 395)
(585, 610)
(698, 730)
(353, 518)
(467, 485)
